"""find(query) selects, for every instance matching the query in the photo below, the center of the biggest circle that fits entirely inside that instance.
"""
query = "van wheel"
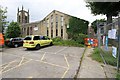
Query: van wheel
(37, 47)
(51, 44)
(28, 48)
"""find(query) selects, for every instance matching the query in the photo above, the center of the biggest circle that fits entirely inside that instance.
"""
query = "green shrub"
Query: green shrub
(118, 76)
(80, 38)
(59, 41)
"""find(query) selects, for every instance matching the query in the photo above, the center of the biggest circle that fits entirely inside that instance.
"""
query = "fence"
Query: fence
(108, 38)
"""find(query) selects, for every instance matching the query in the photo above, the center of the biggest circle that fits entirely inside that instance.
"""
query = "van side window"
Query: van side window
(41, 37)
(36, 38)
(44, 38)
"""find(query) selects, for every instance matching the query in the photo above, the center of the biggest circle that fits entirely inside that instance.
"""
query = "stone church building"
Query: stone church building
(53, 25)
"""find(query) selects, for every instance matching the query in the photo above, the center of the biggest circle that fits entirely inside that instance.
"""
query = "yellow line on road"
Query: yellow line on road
(53, 64)
(74, 56)
(43, 56)
(21, 61)
(7, 65)
(60, 50)
(16, 66)
(65, 73)
(67, 68)
(66, 61)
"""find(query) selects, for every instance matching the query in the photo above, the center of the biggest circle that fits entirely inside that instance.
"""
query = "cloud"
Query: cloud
(40, 8)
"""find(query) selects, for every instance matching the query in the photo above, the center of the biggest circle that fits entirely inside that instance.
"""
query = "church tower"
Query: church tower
(22, 16)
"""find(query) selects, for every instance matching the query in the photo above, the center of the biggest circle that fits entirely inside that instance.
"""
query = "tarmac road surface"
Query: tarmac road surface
(48, 62)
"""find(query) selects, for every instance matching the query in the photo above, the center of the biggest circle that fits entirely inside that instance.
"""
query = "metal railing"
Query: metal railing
(105, 43)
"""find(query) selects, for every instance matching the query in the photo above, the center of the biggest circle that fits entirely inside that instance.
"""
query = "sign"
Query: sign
(35, 28)
(109, 33)
(103, 40)
(106, 43)
(114, 51)
(112, 34)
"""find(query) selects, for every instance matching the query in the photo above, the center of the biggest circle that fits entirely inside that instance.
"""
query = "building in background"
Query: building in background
(53, 25)
(22, 16)
(91, 32)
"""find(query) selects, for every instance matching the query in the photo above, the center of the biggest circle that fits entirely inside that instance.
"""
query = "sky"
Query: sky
(41, 8)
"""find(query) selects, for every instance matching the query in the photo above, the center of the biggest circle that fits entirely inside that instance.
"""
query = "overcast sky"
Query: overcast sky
(41, 8)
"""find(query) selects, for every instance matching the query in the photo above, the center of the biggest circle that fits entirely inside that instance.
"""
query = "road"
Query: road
(48, 62)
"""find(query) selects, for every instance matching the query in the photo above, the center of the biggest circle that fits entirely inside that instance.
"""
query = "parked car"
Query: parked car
(36, 41)
(1, 40)
(14, 42)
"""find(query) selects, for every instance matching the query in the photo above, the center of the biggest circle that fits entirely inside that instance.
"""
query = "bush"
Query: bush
(80, 38)
(59, 41)
(118, 76)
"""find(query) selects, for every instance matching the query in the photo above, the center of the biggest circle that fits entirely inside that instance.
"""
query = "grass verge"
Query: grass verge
(96, 55)
(107, 56)
(118, 76)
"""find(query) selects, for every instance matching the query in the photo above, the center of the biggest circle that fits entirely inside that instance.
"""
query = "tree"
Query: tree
(106, 8)
(13, 30)
(3, 17)
(77, 28)
(94, 23)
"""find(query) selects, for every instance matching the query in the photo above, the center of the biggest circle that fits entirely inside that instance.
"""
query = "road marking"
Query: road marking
(67, 68)
(13, 55)
(66, 61)
(59, 54)
(7, 65)
(53, 64)
(74, 56)
(65, 73)
(8, 62)
(21, 61)
(16, 67)
(43, 56)
(60, 50)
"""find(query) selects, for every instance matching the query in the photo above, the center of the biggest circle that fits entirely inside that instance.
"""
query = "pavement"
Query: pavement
(93, 69)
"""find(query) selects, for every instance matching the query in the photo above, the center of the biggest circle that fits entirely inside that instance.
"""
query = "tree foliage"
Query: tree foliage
(77, 27)
(94, 24)
(3, 17)
(13, 30)
(106, 8)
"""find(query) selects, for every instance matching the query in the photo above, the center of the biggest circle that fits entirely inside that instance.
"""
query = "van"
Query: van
(36, 41)
(1, 40)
